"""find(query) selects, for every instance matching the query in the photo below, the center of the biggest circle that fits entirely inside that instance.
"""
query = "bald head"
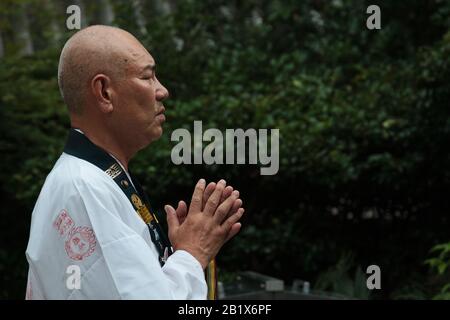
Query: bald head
(91, 51)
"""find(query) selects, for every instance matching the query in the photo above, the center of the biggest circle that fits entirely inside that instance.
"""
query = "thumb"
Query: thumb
(172, 218)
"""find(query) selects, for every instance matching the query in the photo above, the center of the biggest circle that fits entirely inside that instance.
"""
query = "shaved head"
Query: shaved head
(108, 81)
(91, 51)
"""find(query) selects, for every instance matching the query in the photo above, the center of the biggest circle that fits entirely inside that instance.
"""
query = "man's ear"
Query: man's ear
(101, 89)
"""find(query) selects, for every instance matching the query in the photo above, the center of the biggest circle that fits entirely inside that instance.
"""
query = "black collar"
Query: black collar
(78, 145)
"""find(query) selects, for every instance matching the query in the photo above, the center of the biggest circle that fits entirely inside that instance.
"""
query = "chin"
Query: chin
(155, 134)
(158, 131)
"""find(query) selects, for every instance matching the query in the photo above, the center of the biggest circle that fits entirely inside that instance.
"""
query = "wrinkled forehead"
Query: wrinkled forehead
(135, 57)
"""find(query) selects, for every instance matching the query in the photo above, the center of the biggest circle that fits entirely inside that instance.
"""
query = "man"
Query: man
(93, 234)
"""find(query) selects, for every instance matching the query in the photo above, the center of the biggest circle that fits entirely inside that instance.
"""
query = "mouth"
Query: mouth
(160, 115)
(161, 111)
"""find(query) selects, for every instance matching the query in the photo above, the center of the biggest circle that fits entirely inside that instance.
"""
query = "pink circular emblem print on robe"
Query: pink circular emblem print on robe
(80, 243)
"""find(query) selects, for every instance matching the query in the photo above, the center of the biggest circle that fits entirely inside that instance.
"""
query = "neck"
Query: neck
(107, 142)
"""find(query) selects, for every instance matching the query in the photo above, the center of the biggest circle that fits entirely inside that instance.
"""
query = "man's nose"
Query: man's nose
(161, 92)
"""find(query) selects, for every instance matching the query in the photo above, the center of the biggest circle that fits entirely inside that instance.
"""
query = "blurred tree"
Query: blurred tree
(2, 50)
(363, 118)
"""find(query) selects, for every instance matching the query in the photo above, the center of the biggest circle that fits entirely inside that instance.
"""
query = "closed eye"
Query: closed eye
(152, 78)
(149, 76)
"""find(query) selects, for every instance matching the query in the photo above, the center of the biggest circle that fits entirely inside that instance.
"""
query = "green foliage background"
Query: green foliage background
(364, 132)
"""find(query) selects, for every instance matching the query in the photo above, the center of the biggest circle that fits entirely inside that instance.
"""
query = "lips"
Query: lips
(160, 115)
(161, 111)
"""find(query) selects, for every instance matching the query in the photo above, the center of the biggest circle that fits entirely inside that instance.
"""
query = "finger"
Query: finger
(208, 191)
(181, 211)
(226, 193)
(234, 208)
(172, 219)
(236, 205)
(233, 219)
(224, 208)
(235, 228)
(213, 201)
(197, 196)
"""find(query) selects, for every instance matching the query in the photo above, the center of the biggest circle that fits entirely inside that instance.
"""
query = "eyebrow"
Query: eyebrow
(152, 67)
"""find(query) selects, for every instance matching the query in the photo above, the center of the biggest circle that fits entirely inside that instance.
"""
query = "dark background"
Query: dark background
(363, 117)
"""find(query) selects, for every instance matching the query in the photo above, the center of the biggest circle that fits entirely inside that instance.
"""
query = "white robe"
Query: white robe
(83, 218)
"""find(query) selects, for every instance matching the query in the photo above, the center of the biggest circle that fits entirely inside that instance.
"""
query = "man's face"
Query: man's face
(138, 99)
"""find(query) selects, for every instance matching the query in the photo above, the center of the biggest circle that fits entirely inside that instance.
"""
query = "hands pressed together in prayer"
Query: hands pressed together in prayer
(212, 219)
